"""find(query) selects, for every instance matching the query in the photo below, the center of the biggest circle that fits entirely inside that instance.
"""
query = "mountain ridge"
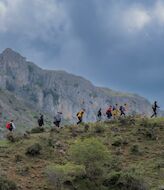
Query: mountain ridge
(51, 90)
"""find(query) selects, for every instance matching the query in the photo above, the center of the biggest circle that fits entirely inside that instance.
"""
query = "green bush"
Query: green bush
(92, 154)
(124, 181)
(127, 121)
(148, 133)
(86, 128)
(37, 130)
(99, 128)
(34, 149)
(88, 150)
(118, 141)
(6, 184)
(135, 149)
(14, 137)
(62, 175)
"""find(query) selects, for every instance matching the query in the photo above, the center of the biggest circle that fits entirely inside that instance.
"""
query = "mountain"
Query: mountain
(52, 91)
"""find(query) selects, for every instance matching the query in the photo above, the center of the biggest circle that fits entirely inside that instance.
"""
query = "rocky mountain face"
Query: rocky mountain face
(52, 91)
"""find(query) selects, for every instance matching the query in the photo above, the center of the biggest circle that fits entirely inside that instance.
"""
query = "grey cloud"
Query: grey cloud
(89, 38)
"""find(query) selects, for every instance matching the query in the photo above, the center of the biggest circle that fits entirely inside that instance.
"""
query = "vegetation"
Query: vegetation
(116, 155)
(6, 184)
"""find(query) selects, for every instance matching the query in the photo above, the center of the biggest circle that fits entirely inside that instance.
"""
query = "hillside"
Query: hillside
(126, 154)
(25, 115)
(51, 91)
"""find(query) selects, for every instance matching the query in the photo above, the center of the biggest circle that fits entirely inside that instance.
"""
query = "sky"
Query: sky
(114, 43)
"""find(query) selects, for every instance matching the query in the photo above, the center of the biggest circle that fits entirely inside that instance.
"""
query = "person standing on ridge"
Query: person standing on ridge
(80, 115)
(10, 126)
(57, 119)
(99, 115)
(122, 110)
(154, 107)
(117, 110)
(109, 112)
(41, 120)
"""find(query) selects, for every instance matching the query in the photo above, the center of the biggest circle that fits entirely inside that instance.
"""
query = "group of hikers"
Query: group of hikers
(112, 112)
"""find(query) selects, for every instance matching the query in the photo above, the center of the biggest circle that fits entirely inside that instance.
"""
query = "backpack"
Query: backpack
(121, 108)
(8, 125)
(78, 114)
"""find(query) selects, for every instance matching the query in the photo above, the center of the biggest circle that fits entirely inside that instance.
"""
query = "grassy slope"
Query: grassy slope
(29, 172)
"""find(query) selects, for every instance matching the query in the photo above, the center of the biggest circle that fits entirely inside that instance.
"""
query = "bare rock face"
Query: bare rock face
(52, 91)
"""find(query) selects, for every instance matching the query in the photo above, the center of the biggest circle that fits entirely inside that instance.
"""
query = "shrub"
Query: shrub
(149, 133)
(118, 141)
(99, 128)
(14, 137)
(18, 158)
(135, 150)
(60, 175)
(159, 164)
(86, 128)
(34, 149)
(127, 121)
(92, 154)
(88, 150)
(22, 170)
(37, 130)
(124, 181)
(75, 131)
(6, 184)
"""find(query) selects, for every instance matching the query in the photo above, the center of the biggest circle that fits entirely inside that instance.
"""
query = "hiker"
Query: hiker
(154, 108)
(115, 111)
(57, 119)
(10, 126)
(80, 115)
(122, 110)
(99, 114)
(41, 120)
(109, 112)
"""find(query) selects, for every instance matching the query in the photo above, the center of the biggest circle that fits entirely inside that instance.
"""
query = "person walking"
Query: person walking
(57, 119)
(122, 111)
(109, 112)
(99, 115)
(10, 126)
(80, 115)
(41, 120)
(154, 108)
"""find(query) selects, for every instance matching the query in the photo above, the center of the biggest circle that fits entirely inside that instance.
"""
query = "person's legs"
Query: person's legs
(80, 120)
(123, 113)
(10, 129)
(57, 123)
(154, 113)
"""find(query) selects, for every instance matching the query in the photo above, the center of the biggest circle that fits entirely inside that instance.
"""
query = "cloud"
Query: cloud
(118, 44)
(34, 19)
(159, 12)
(135, 18)
(2, 15)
